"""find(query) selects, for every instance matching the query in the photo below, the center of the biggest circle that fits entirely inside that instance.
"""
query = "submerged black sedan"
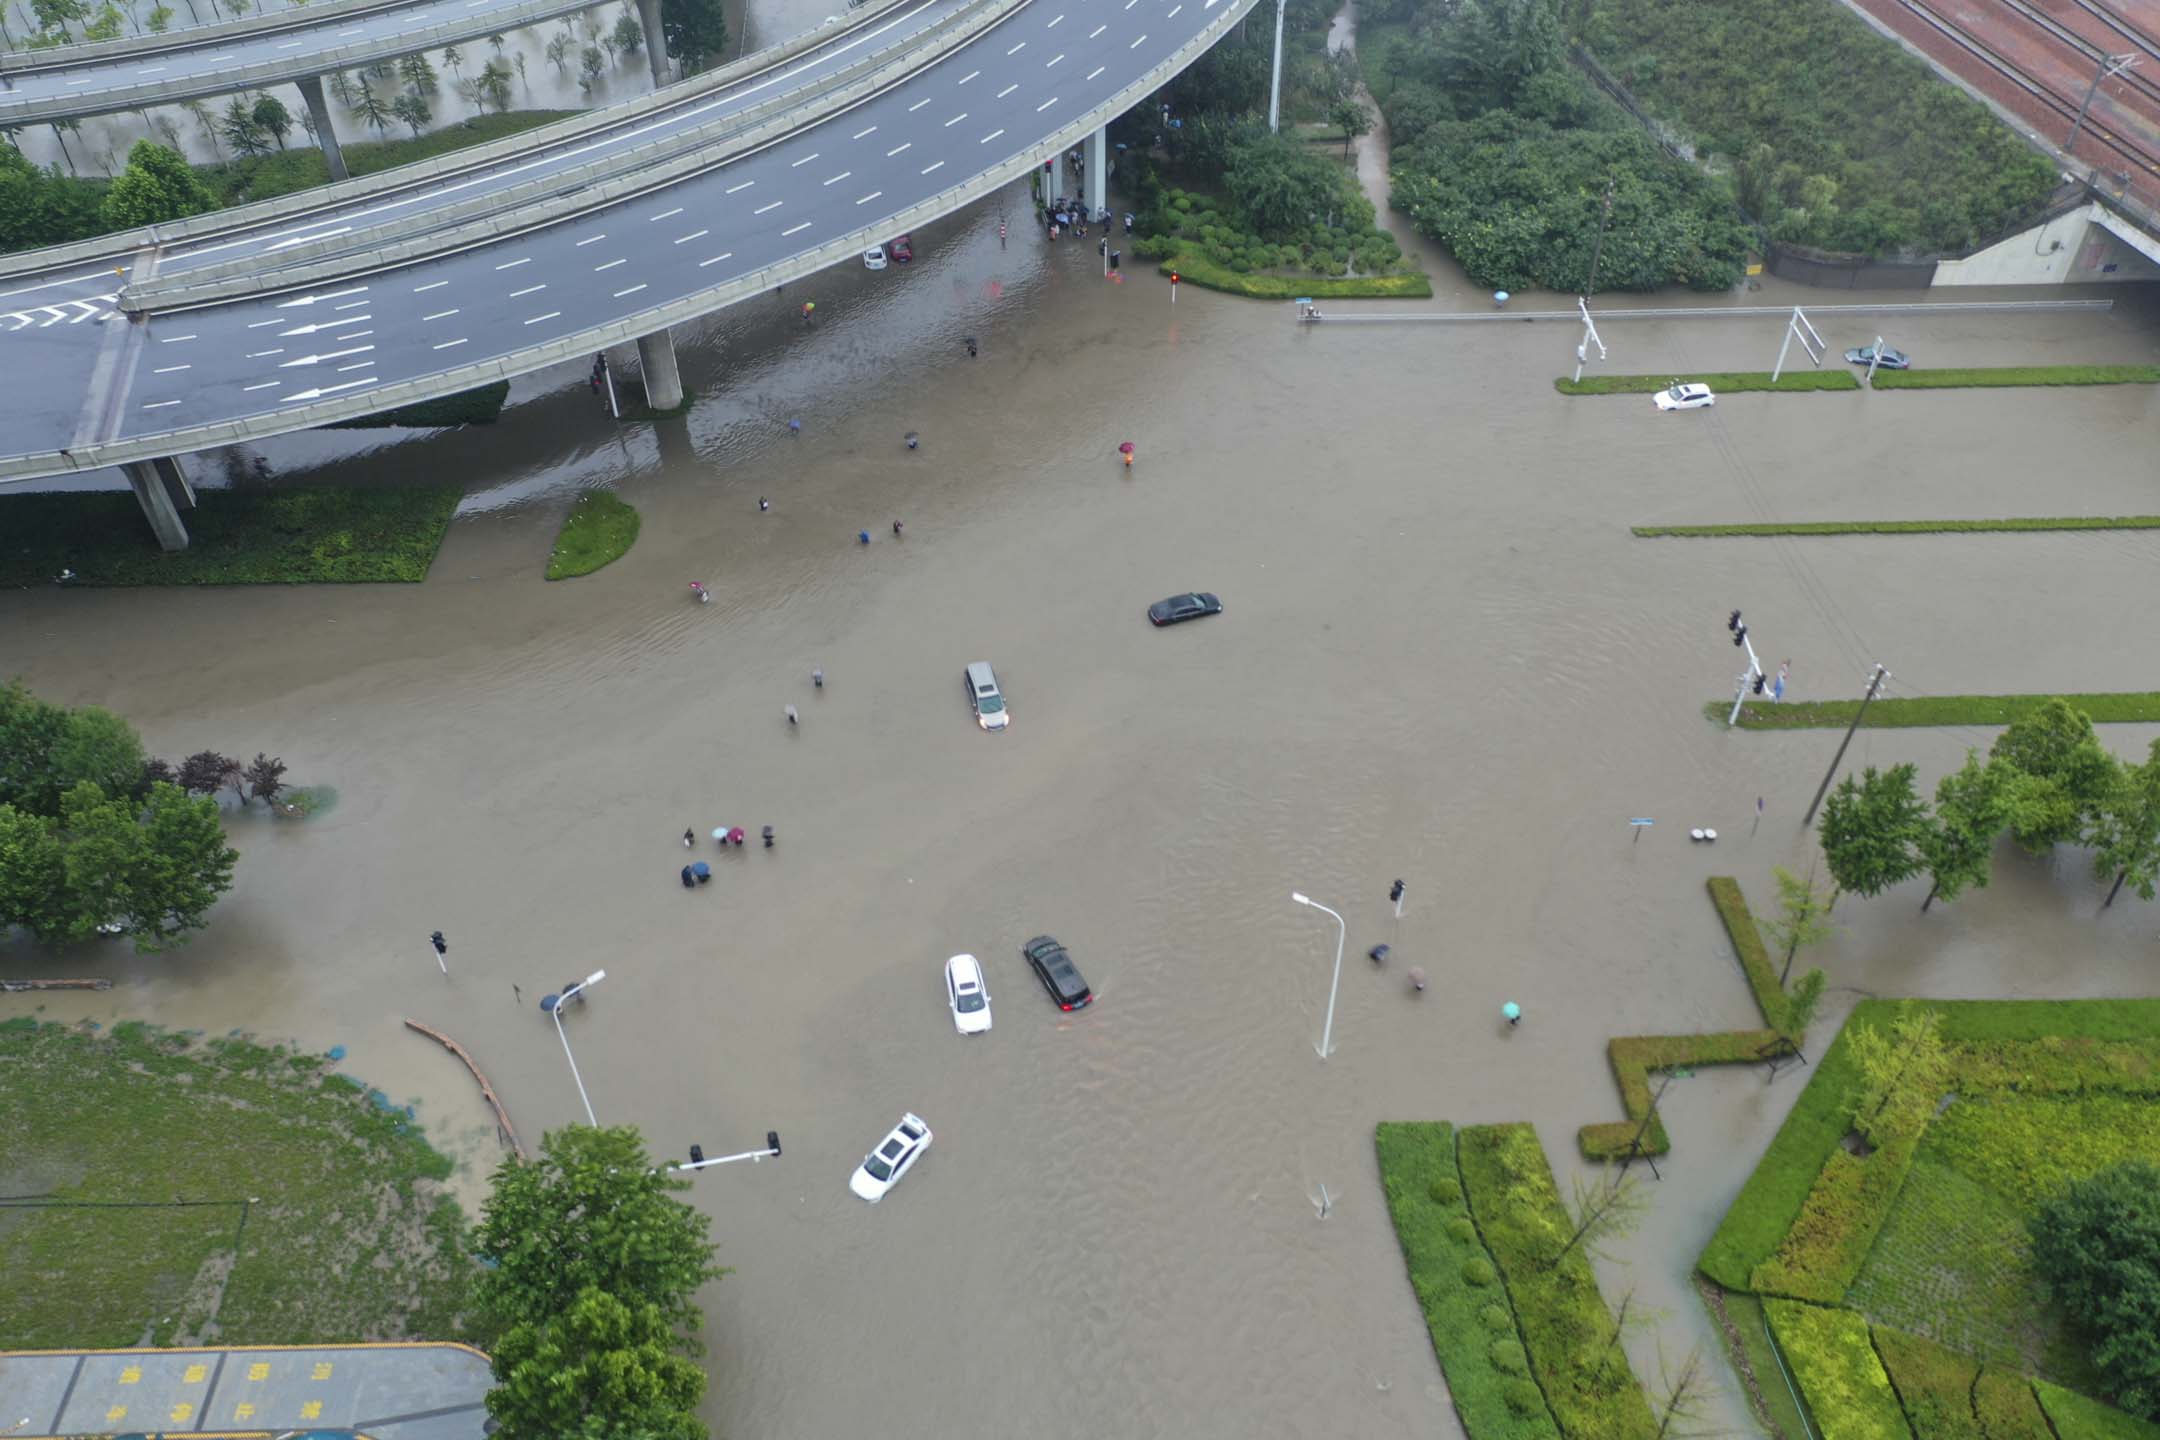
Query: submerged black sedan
(1180, 608)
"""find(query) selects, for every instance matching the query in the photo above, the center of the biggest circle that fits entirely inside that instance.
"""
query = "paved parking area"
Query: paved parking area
(385, 1392)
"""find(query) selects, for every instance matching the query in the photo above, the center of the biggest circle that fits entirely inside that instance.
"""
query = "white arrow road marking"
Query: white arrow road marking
(332, 355)
(321, 325)
(327, 390)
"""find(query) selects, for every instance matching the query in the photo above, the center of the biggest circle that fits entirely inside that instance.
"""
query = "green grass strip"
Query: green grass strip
(598, 531)
(1201, 271)
(1901, 527)
(1473, 1328)
(2077, 1417)
(236, 537)
(2003, 375)
(1720, 382)
(2122, 707)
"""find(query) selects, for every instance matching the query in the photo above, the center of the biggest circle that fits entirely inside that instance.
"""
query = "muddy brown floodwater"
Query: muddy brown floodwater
(1443, 658)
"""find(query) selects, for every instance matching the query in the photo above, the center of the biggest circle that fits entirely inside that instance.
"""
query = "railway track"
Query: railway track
(2098, 134)
(2137, 35)
(2146, 88)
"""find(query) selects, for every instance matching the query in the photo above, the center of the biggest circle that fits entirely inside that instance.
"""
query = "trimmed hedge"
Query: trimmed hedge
(2080, 1417)
(1469, 1325)
(1933, 1384)
(235, 537)
(1587, 1381)
(1829, 1240)
(1633, 1059)
(1838, 1372)
(1201, 271)
(1903, 527)
(2007, 375)
(598, 531)
(482, 406)
(2121, 707)
(1747, 942)
(1722, 382)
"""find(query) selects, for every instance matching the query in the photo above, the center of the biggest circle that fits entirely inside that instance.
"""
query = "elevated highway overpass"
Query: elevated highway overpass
(240, 357)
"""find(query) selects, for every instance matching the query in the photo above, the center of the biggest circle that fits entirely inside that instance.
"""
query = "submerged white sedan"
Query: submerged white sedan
(1684, 397)
(965, 995)
(882, 1168)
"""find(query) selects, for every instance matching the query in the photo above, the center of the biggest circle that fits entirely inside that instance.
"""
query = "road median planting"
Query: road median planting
(2026, 525)
(2126, 707)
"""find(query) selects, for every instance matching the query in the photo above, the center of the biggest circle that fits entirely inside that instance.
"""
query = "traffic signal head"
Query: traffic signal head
(1762, 682)
(772, 1141)
(697, 1154)
(1173, 277)
(1739, 635)
(1732, 621)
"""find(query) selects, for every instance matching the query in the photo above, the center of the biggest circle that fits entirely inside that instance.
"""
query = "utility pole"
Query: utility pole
(1598, 249)
(1590, 337)
(1753, 675)
(2109, 67)
(1274, 101)
(1873, 684)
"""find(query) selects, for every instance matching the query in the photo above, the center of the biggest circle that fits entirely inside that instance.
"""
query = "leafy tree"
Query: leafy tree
(628, 36)
(517, 58)
(604, 1358)
(1971, 808)
(411, 110)
(1278, 185)
(370, 107)
(340, 85)
(1351, 117)
(1490, 48)
(272, 118)
(106, 24)
(592, 64)
(496, 41)
(559, 47)
(494, 85)
(454, 58)
(2055, 748)
(55, 14)
(160, 19)
(100, 747)
(156, 186)
(157, 870)
(2125, 828)
(33, 874)
(417, 73)
(29, 730)
(693, 31)
(1873, 830)
(1608, 1208)
(2096, 1247)
(591, 1211)
(1902, 1075)
(241, 130)
(265, 777)
(1802, 918)
(182, 866)
(205, 772)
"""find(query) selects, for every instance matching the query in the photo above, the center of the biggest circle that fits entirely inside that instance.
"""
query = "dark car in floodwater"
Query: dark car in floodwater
(1180, 608)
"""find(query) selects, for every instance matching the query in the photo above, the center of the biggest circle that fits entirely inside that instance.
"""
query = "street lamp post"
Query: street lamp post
(561, 1000)
(1342, 930)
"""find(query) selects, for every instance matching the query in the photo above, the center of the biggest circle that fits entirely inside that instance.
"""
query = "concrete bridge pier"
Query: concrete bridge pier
(1095, 156)
(655, 40)
(319, 111)
(163, 492)
(663, 381)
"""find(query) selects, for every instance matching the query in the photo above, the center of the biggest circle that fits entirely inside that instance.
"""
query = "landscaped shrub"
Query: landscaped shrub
(1732, 908)
(1564, 1324)
(1934, 1384)
(1829, 1240)
(1838, 1372)
(1509, 1358)
(1478, 1272)
(1464, 1321)
(2006, 1408)
(1461, 1231)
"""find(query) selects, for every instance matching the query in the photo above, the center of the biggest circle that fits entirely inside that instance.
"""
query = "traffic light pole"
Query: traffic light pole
(1753, 672)
(699, 1162)
(1874, 684)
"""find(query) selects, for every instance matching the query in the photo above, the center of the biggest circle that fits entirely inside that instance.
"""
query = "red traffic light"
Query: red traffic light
(1173, 277)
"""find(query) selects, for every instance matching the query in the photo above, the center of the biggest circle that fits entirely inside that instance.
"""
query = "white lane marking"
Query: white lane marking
(267, 384)
(1209, 6)
(1173, 12)
(956, 119)
(150, 70)
(173, 339)
(763, 208)
(323, 325)
(160, 405)
(594, 241)
(669, 214)
(513, 264)
(1006, 91)
(1055, 23)
(350, 305)
(928, 168)
(551, 315)
(258, 324)
(1097, 31)
(528, 290)
(898, 148)
(918, 105)
(837, 178)
(438, 315)
(969, 76)
(869, 197)
(744, 186)
(299, 396)
(1048, 63)
(290, 45)
(333, 295)
(860, 133)
(609, 266)
(792, 229)
(798, 164)
(1016, 49)
(355, 31)
(631, 291)
(431, 285)
(693, 235)
(214, 59)
(1096, 71)
(86, 82)
(991, 136)
(1137, 43)
(723, 255)
(449, 344)
(1046, 104)
(362, 365)
(307, 239)
(331, 355)
(170, 369)
(356, 335)
(260, 354)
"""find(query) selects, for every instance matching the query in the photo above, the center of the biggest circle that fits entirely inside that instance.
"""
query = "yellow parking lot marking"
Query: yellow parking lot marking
(116, 1414)
(243, 1411)
(131, 1374)
(182, 1411)
(260, 1370)
(322, 1370)
(195, 1375)
(312, 1410)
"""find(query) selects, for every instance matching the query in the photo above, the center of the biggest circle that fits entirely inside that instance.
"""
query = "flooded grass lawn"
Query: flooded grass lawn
(163, 1190)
